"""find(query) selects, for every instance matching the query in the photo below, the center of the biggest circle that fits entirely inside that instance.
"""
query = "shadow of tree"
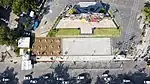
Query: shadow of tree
(5, 13)
(147, 5)
(134, 77)
(99, 81)
(9, 74)
(62, 71)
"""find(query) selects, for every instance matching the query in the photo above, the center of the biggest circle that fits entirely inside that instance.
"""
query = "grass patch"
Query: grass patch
(52, 33)
(68, 32)
(107, 32)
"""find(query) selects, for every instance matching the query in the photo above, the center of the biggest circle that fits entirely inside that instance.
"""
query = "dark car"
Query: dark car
(126, 81)
(27, 77)
(84, 78)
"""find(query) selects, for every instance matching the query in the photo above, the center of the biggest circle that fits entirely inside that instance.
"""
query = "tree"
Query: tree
(6, 3)
(23, 5)
(8, 36)
(16, 7)
(3, 35)
(146, 12)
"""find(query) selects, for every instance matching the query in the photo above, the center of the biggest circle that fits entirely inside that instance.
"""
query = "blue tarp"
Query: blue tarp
(36, 24)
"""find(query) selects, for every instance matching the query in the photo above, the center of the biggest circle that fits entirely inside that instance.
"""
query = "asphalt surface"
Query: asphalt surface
(54, 8)
(94, 68)
(127, 18)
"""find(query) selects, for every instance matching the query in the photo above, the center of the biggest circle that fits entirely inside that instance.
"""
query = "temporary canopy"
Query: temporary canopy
(24, 42)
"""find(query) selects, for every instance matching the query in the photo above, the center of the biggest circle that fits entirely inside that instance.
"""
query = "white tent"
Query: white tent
(24, 42)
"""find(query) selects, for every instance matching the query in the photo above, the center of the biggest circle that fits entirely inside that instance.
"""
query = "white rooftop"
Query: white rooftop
(86, 4)
(24, 42)
(86, 46)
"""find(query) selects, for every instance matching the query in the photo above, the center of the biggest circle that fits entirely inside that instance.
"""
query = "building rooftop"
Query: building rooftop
(46, 46)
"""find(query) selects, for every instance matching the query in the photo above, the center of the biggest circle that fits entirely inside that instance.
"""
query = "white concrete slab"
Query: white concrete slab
(86, 46)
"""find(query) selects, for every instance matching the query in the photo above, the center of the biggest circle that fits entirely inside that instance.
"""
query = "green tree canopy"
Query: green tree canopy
(16, 7)
(8, 36)
(6, 3)
(23, 5)
(146, 12)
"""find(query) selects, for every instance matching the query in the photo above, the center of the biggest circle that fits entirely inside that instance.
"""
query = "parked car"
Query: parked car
(27, 77)
(84, 78)
(147, 80)
(65, 82)
(34, 81)
(59, 78)
(126, 81)
(47, 76)
(5, 79)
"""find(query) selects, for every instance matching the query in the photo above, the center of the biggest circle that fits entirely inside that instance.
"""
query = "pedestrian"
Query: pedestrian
(45, 22)
(74, 63)
(135, 66)
(31, 72)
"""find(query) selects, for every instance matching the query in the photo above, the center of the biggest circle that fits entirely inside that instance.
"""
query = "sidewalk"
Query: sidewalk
(142, 48)
(55, 8)
(79, 58)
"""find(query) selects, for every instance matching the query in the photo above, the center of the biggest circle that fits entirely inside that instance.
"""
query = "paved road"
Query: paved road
(55, 8)
(128, 10)
(96, 68)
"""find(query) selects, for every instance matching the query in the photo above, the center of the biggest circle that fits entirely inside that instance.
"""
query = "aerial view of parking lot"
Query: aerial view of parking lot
(74, 41)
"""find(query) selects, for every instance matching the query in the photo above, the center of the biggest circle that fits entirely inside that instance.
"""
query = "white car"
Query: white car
(65, 82)
(105, 75)
(126, 81)
(59, 79)
(80, 77)
(34, 81)
(5, 79)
